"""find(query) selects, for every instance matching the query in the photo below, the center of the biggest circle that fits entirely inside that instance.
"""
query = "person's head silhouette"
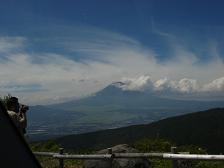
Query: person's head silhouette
(13, 104)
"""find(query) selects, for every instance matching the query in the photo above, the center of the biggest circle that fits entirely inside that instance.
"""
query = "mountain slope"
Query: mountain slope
(112, 107)
(202, 128)
(113, 95)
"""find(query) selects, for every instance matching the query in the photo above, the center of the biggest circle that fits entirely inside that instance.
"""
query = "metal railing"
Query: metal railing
(110, 156)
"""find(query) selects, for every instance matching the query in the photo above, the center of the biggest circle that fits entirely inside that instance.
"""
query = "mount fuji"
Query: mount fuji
(111, 107)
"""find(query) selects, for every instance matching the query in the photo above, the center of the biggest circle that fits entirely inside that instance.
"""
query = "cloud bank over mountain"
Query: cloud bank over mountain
(42, 70)
(171, 87)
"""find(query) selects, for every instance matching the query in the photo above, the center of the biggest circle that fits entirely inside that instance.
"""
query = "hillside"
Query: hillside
(91, 113)
(204, 128)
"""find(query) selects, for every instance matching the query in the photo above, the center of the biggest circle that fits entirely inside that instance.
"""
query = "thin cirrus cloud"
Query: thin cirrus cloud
(10, 44)
(22, 88)
(52, 71)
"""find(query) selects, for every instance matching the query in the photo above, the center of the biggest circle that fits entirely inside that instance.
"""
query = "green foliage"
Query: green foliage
(191, 149)
(159, 163)
(49, 162)
(209, 164)
(143, 145)
(153, 145)
(48, 146)
(162, 145)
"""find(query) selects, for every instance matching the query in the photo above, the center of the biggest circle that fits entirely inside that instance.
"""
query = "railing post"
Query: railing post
(174, 161)
(109, 151)
(61, 160)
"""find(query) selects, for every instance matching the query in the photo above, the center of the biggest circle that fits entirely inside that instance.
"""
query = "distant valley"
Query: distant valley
(203, 129)
(109, 108)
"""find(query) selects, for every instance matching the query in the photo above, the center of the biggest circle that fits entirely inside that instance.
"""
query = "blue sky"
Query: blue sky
(62, 49)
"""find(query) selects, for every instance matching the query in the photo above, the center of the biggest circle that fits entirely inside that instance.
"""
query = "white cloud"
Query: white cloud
(143, 83)
(104, 57)
(163, 84)
(9, 44)
(173, 87)
(186, 85)
(216, 85)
